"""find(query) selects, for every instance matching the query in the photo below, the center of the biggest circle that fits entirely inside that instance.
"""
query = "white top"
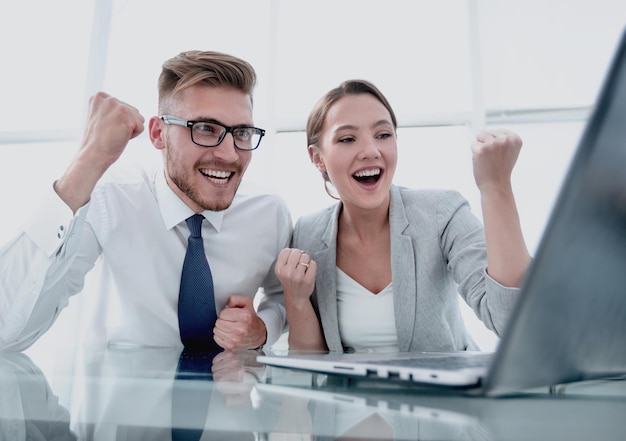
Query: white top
(133, 231)
(366, 320)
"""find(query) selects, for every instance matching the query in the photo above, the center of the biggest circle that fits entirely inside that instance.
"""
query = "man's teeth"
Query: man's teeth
(367, 173)
(219, 174)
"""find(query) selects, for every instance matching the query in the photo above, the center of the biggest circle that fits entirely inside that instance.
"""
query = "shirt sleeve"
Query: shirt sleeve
(40, 271)
(272, 304)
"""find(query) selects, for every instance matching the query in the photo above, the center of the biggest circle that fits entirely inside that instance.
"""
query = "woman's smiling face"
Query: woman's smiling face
(358, 150)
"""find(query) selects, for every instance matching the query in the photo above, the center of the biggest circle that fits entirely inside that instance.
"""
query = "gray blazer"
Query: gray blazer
(437, 252)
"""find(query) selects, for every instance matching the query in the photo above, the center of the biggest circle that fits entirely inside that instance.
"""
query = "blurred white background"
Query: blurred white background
(448, 67)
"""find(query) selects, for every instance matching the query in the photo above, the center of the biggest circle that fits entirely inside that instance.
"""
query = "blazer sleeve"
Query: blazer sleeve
(463, 243)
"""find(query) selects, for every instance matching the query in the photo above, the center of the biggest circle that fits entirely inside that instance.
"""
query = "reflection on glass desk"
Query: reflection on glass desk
(154, 394)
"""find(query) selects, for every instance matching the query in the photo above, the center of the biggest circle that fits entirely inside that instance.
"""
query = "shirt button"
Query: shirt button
(61, 232)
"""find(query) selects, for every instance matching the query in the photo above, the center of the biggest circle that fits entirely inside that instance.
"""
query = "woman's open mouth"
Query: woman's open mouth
(368, 176)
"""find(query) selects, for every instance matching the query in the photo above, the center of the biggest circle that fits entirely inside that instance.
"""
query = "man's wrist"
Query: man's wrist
(263, 340)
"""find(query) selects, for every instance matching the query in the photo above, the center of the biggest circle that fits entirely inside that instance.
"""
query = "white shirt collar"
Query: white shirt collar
(174, 210)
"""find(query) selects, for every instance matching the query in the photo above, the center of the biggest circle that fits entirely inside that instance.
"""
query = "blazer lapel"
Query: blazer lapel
(402, 271)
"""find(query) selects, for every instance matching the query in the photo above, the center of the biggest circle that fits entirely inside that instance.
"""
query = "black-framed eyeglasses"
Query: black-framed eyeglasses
(211, 133)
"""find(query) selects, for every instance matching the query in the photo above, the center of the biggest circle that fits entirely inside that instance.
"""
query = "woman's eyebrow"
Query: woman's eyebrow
(382, 122)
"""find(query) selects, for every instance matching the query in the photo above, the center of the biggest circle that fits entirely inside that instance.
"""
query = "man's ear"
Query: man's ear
(316, 157)
(156, 132)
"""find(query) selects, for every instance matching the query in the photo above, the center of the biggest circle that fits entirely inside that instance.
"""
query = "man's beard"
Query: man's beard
(180, 178)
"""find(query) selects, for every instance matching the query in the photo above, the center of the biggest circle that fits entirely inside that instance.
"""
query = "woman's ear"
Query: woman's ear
(156, 132)
(316, 157)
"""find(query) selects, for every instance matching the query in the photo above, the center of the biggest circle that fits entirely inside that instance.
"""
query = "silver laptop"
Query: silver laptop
(570, 322)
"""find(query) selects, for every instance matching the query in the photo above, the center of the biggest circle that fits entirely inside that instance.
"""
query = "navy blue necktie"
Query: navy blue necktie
(196, 301)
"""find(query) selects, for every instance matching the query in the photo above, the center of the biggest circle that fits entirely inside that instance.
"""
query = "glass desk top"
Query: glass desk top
(154, 394)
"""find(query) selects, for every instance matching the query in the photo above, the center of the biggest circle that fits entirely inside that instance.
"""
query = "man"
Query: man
(134, 226)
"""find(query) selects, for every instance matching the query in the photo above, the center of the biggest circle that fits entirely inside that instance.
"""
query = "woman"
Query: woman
(381, 269)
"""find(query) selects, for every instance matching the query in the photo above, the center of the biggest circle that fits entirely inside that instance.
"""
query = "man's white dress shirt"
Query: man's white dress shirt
(133, 234)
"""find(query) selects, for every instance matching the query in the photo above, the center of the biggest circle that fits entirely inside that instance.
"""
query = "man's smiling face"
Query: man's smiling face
(206, 178)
